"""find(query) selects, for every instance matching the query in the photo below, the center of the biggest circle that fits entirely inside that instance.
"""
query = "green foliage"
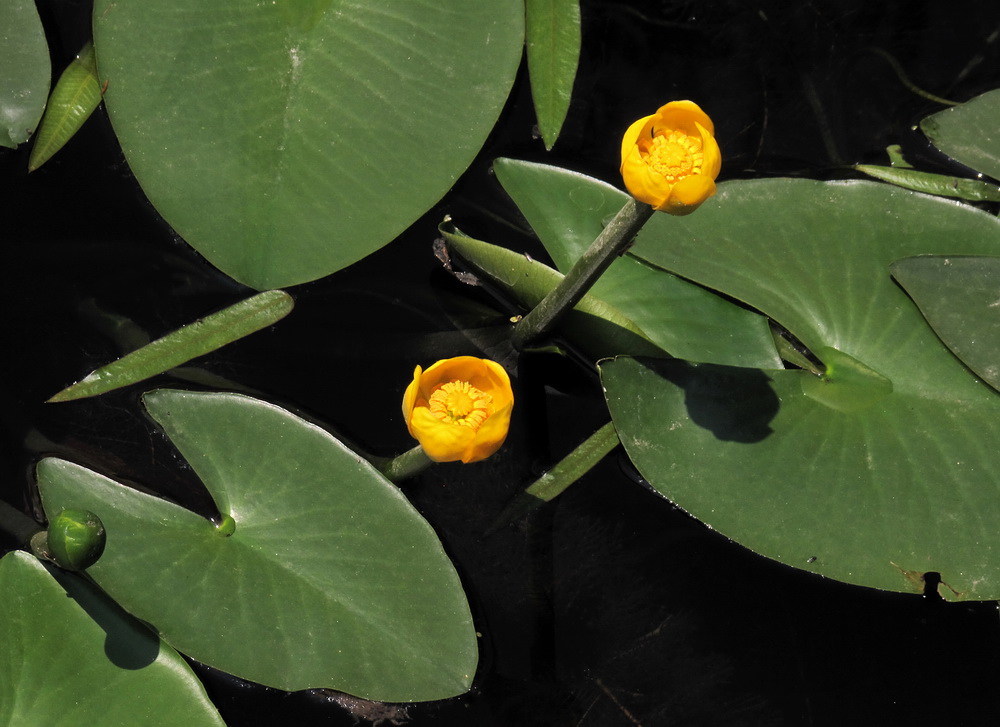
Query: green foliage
(24, 71)
(75, 97)
(193, 340)
(967, 133)
(960, 298)
(872, 472)
(942, 185)
(285, 141)
(568, 210)
(318, 562)
(552, 34)
(69, 656)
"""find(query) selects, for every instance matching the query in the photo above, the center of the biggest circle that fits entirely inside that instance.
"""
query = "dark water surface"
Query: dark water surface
(609, 607)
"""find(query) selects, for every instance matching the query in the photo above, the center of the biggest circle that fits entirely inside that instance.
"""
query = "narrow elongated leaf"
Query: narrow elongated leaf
(883, 468)
(193, 340)
(568, 210)
(24, 71)
(942, 185)
(960, 298)
(968, 133)
(552, 34)
(76, 94)
(319, 574)
(287, 140)
(71, 657)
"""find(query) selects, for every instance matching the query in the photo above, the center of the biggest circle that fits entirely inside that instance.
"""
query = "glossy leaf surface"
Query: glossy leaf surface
(568, 210)
(875, 473)
(76, 95)
(960, 298)
(552, 34)
(321, 574)
(968, 133)
(188, 342)
(285, 141)
(24, 71)
(71, 657)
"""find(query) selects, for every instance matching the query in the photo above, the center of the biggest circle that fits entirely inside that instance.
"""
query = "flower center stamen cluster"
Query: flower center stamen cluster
(459, 402)
(673, 154)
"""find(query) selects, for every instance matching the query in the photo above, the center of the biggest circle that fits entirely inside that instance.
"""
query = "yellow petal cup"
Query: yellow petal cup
(459, 408)
(670, 160)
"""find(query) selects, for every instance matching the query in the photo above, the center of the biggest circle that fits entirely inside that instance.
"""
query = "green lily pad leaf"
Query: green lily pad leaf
(76, 95)
(320, 573)
(567, 211)
(597, 328)
(960, 298)
(967, 133)
(974, 190)
(195, 339)
(72, 657)
(24, 71)
(882, 467)
(552, 35)
(285, 141)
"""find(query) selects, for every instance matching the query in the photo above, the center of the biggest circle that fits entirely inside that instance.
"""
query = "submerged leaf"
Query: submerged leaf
(24, 71)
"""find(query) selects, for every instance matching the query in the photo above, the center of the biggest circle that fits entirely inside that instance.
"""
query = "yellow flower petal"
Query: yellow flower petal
(670, 160)
(459, 408)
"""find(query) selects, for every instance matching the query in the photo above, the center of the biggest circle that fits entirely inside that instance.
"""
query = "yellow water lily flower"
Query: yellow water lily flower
(459, 408)
(670, 160)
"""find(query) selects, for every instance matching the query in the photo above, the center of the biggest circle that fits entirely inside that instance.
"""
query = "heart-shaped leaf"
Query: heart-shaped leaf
(960, 298)
(287, 140)
(875, 473)
(72, 657)
(320, 573)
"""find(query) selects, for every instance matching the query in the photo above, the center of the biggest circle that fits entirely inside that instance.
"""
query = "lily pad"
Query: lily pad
(553, 42)
(71, 657)
(960, 298)
(24, 71)
(568, 210)
(285, 141)
(968, 133)
(882, 469)
(318, 574)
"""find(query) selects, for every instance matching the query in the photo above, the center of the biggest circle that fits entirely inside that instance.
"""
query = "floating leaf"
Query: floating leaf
(72, 657)
(942, 185)
(73, 100)
(320, 573)
(552, 34)
(960, 298)
(568, 210)
(285, 141)
(968, 133)
(24, 71)
(193, 340)
(882, 467)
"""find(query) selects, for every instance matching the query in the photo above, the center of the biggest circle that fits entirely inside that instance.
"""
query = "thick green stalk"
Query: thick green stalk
(15, 523)
(612, 242)
(408, 464)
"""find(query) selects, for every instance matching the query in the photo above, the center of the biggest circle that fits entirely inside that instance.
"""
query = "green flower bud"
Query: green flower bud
(76, 539)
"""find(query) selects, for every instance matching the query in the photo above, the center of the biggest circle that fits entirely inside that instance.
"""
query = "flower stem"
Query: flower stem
(612, 242)
(16, 524)
(570, 469)
(408, 464)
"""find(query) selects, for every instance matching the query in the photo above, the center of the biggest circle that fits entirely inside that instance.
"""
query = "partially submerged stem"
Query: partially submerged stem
(612, 242)
(406, 465)
(16, 524)
(572, 467)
